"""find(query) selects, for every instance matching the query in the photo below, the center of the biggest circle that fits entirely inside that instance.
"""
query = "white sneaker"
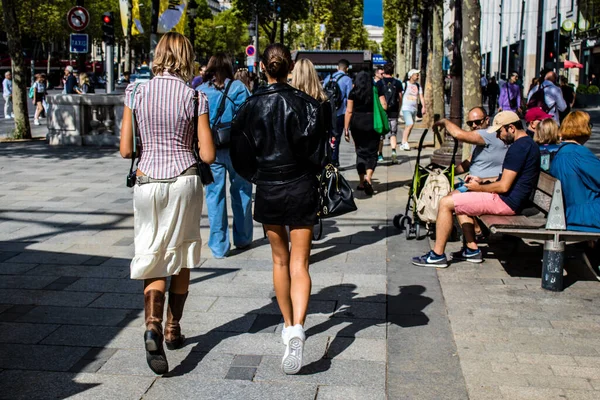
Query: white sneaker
(7, 117)
(285, 333)
(405, 146)
(292, 358)
(36, 121)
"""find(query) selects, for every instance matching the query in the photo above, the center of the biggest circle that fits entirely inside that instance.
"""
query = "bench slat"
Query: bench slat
(516, 221)
(542, 200)
(546, 183)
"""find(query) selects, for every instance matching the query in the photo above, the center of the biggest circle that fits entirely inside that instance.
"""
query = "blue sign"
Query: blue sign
(79, 43)
(445, 63)
(378, 59)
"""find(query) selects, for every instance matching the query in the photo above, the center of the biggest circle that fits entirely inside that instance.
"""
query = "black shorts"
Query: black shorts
(292, 204)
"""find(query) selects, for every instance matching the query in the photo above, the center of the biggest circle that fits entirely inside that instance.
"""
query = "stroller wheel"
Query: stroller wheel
(396, 221)
(405, 223)
(418, 231)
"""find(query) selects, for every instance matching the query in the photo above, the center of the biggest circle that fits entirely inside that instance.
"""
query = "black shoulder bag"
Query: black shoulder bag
(221, 131)
(206, 176)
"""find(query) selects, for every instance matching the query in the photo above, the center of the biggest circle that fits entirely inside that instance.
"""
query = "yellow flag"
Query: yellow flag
(172, 16)
(136, 26)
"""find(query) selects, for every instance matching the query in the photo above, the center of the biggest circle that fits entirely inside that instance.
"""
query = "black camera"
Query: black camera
(131, 179)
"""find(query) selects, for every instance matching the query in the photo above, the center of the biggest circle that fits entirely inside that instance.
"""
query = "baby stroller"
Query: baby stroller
(413, 226)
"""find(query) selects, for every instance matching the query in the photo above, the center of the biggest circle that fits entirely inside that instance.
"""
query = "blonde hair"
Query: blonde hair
(175, 55)
(546, 132)
(576, 126)
(243, 76)
(305, 78)
(84, 79)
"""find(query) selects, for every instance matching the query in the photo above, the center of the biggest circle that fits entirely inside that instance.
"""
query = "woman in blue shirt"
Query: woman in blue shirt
(219, 82)
(578, 170)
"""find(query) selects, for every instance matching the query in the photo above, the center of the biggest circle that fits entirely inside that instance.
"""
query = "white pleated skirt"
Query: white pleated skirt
(167, 227)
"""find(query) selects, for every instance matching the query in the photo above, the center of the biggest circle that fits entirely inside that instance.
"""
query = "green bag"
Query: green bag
(381, 125)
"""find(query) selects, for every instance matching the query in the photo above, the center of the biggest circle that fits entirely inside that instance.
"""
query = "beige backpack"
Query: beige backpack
(436, 186)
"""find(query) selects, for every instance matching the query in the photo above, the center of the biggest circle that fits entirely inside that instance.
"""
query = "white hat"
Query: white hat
(69, 68)
(413, 71)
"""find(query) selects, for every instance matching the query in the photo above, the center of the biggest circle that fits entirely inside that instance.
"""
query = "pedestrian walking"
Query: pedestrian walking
(493, 91)
(70, 81)
(392, 90)
(411, 101)
(338, 87)
(548, 96)
(7, 92)
(569, 96)
(167, 199)
(359, 123)
(225, 96)
(282, 157)
(483, 82)
(39, 97)
(510, 95)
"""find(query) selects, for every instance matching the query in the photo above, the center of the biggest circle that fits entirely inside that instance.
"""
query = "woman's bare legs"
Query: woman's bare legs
(290, 271)
(180, 283)
(280, 251)
(159, 284)
(369, 176)
(301, 237)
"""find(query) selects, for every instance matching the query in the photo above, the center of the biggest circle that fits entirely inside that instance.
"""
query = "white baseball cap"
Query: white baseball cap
(69, 68)
(413, 71)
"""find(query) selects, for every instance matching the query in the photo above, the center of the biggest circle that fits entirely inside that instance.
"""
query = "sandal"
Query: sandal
(368, 189)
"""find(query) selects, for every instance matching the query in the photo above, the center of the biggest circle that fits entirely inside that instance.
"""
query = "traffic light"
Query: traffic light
(108, 28)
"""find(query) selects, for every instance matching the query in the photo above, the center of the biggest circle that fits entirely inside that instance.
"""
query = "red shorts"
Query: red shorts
(475, 204)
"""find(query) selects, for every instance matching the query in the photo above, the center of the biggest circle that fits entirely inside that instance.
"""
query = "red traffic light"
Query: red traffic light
(107, 19)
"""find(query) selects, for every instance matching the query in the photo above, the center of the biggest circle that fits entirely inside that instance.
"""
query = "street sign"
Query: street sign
(78, 18)
(250, 51)
(79, 43)
(250, 61)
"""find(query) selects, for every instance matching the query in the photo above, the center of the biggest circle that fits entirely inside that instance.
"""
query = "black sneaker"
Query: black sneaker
(466, 254)
(431, 260)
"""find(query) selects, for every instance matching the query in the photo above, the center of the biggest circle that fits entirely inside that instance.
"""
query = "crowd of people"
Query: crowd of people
(278, 136)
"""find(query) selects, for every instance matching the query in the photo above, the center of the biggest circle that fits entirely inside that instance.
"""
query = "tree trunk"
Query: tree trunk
(400, 53)
(428, 91)
(471, 55)
(15, 50)
(437, 73)
(128, 36)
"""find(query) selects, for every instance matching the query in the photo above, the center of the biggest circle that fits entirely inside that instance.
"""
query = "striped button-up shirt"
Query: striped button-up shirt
(164, 109)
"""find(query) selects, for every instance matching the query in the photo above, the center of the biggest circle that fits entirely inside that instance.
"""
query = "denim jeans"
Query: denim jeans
(216, 204)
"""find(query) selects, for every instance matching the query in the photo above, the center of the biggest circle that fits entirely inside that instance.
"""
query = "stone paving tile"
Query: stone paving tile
(327, 392)
(12, 332)
(25, 282)
(39, 357)
(27, 384)
(529, 393)
(82, 271)
(15, 268)
(106, 285)
(47, 297)
(187, 387)
(75, 316)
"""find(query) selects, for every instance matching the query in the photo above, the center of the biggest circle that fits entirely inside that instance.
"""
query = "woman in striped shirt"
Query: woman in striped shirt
(167, 199)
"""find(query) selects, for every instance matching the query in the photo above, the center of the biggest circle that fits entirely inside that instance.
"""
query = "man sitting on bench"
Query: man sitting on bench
(506, 196)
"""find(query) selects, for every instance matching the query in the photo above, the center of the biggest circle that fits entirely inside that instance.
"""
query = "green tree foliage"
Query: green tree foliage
(272, 13)
(226, 32)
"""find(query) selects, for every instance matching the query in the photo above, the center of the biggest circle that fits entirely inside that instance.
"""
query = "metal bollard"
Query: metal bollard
(552, 268)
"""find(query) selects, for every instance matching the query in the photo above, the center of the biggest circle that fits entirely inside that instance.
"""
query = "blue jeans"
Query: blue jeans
(216, 203)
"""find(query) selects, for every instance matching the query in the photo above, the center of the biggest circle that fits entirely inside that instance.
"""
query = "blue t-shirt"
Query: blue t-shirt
(237, 95)
(522, 157)
(345, 84)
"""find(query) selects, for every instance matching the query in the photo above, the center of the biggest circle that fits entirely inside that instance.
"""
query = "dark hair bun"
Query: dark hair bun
(277, 61)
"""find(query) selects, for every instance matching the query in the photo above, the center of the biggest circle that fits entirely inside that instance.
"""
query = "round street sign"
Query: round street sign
(250, 50)
(78, 18)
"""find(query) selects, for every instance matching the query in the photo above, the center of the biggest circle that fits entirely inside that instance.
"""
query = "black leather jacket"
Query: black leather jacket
(279, 135)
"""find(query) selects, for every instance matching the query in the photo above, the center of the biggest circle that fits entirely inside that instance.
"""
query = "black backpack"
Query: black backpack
(538, 99)
(334, 92)
(390, 93)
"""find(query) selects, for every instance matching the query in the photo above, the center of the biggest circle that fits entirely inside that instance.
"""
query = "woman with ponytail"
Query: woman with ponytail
(278, 142)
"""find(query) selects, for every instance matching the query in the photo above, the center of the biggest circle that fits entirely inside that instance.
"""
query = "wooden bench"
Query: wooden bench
(550, 226)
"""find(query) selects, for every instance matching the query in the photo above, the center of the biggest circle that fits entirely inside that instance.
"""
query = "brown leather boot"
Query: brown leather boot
(154, 304)
(173, 337)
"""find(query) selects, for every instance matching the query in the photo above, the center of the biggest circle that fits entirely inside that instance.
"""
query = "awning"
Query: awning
(571, 64)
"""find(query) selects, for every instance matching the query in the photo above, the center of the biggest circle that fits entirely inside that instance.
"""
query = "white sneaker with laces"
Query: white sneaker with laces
(292, 358)
(405, 146)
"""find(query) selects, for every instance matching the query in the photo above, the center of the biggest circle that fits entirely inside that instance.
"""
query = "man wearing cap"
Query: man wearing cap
(533, 117)
(70, 81)
(508, 195)
(413, 93)
(488, 151)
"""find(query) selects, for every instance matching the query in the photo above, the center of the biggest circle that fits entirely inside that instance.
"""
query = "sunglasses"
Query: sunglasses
(473, 123)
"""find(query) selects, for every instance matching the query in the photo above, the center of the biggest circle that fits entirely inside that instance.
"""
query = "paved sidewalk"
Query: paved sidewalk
(71, 321)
